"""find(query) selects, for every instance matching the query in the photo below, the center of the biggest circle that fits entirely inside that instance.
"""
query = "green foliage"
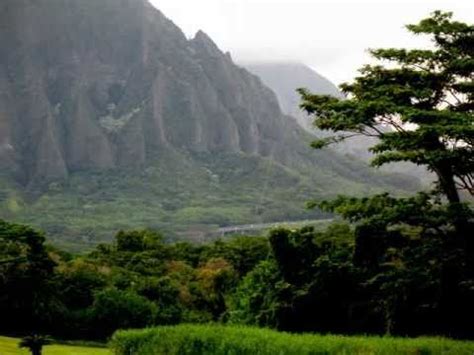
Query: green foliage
(414, 254)
(220, 340)
(78, 280)
(420, 108)
(27, 294)
(164, 293)
(321, 282)
(422, 210)
(299, 287)
(242, 252)
(371, 278)
(185, 197)
(136, 241)
(139, 280)
(411, 249)
(214, 280)
(115, 309)
(257, 300)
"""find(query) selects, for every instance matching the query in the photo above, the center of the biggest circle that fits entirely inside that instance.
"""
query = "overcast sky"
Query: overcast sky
(329, 35)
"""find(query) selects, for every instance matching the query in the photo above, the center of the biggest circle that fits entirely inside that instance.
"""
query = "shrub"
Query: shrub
(115, 309)
(220, 340)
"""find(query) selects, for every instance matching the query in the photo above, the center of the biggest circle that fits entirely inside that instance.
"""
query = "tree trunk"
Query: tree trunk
(464, 228)
(447, 183)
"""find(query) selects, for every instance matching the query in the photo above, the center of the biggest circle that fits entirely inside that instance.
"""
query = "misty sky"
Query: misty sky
(329, 35)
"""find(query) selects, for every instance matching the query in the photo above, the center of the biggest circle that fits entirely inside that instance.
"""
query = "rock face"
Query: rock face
(106, 84)
(110, 118)
(285, 78)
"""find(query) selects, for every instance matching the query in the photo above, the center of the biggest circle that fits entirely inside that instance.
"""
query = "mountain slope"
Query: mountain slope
(111, 118)
(285, 78)
(102, 85)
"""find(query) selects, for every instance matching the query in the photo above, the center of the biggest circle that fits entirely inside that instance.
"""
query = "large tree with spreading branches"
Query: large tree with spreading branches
(419, 104)
(420, 107)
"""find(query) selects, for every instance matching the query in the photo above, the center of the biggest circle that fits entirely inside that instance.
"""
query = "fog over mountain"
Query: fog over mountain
(330, 35)
(286, 77)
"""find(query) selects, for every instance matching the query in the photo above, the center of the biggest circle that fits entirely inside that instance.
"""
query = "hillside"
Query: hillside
(284, 78)
(111, 118)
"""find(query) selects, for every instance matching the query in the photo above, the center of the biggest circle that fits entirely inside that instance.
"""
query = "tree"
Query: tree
(34, 343)
(243, 252)
(420, 108)
(114, 309)
(214, 279)
(260, 297)
(28, 296)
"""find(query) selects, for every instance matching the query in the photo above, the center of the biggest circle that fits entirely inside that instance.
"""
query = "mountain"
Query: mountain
(106, 84)
(111, 118)
(285, 77)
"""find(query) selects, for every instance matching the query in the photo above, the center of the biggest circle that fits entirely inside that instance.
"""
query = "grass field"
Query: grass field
(9, 346)
(222, 340)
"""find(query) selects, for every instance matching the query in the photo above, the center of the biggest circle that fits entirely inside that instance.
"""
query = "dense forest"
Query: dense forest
(294, 280)
(397, 265)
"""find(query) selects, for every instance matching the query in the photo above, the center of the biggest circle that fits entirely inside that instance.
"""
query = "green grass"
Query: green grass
(225, 340)
(9, 346)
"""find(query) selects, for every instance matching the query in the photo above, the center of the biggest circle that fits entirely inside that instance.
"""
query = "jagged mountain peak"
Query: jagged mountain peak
(110, 102)
(117, 81)
(203, 36)
(205, 44)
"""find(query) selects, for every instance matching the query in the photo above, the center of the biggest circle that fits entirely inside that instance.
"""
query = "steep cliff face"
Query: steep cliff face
(103, 84)
(110, 118)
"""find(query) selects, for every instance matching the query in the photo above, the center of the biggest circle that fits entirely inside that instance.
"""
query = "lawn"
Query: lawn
(9, 346)
(224, 340)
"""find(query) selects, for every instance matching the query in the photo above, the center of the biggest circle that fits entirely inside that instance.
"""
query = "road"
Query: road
(264, 226)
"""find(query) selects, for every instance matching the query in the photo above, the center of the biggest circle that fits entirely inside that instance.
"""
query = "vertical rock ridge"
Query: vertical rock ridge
(108, 84)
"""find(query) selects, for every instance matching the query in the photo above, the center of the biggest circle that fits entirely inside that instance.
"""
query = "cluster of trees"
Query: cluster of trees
(405, 265)
(344, 281)
(418, 251)
(136, 281)
(295, 280)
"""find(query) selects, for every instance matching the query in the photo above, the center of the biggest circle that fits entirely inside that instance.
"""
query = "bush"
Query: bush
(216, 340)
(115, 309)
